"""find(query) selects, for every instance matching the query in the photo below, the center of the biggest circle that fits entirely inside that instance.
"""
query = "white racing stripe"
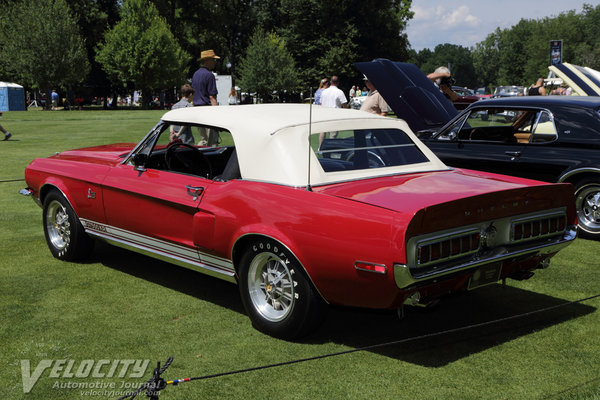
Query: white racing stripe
(166, 249)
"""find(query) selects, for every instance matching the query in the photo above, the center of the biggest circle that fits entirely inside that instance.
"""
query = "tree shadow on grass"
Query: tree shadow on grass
(363, 328)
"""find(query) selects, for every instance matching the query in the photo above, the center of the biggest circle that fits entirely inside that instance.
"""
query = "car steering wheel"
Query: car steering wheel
(197, 168)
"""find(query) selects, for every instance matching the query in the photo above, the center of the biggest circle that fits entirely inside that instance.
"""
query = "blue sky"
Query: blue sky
(467, 22)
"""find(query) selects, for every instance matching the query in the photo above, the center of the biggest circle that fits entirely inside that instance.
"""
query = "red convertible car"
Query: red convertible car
(301, 207)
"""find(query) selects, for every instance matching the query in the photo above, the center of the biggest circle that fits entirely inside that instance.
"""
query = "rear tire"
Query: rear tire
(587, 204)
(276, 293)
(65, 236)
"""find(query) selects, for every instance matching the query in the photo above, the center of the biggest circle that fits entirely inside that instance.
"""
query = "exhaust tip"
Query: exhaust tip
(522, 275)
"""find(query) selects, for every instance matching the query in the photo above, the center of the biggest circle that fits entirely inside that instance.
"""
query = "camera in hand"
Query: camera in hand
(448, 81)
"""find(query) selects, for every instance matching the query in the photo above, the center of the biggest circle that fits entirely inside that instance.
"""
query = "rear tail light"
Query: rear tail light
(539, 227)
(447, 248)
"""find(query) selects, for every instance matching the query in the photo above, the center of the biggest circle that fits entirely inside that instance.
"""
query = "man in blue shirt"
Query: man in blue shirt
(205, 93)
(54, 97)
(204, 82)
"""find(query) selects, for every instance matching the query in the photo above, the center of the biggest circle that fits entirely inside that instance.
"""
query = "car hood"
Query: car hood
(108, 154)
(583, 80)
(454, 198)
(409, 92)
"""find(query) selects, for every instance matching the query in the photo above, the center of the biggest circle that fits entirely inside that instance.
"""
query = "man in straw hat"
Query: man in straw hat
(205, 91)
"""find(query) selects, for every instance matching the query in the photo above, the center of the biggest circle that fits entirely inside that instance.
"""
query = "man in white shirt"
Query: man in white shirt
(332, 97)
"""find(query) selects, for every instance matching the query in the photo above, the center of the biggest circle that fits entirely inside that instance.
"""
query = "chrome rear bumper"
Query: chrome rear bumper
(405, 277)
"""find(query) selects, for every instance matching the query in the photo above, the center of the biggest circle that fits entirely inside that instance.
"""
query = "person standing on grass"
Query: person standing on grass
(332, 97)
(374, 103)
(205, 92)
(183, 133)
(54, 97)
(7, 134)
(537, 89)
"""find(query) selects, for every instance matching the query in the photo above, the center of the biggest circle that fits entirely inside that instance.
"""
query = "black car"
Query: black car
(548, 138)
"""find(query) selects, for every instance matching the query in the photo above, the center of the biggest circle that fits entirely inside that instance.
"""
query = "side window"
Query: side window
(194, 150)
(192, 135)
(454, 131)
(544, 129)
(493, 125)
(365, 149)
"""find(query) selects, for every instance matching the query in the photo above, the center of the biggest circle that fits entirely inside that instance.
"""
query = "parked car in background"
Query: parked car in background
(548, 138)
(483, 92)
(369, 217)
(509, 91)
(357, 101)
(465, 97)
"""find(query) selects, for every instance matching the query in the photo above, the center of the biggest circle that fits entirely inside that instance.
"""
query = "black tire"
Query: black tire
(587, 203)
(65, 236)
(277, 295)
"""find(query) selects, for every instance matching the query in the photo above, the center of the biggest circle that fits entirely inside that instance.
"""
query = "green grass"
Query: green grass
(121, 305)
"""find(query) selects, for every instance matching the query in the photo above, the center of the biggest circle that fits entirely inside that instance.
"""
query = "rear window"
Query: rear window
(365, 149)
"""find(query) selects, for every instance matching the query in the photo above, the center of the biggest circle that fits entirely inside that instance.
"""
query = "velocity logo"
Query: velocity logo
(69, 369)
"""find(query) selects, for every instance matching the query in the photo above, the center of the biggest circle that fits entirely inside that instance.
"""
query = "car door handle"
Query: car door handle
(513, 154)
(194, 191)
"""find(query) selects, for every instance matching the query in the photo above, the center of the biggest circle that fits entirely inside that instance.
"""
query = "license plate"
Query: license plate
(485, 275)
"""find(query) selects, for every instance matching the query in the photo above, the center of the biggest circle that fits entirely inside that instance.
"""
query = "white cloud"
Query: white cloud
(467, 22)
(459, 17)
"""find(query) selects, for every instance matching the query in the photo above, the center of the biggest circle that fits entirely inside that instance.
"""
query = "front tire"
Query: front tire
(587, 203)
(276, 293)
(65, 236)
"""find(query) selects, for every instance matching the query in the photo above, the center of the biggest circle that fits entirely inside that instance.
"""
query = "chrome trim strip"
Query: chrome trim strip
(384, 272)
(577, 171)
(404, 278)
(163, 250)
(142, 142)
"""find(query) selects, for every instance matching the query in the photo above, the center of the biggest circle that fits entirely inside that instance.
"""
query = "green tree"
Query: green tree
(141, 52)
(93, 17)
(41, 44)
(222, 25)
(267, 66)
(486, 57)
(327, 37)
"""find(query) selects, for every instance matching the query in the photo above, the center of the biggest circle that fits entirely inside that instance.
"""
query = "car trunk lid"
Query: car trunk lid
(408, 92)
(446, 199)
(583, 80)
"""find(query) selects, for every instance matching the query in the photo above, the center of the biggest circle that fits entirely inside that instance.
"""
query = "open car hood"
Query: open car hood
(583, 80)
(409, 92)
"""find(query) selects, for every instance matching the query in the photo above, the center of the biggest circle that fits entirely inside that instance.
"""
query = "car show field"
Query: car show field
(121, 305)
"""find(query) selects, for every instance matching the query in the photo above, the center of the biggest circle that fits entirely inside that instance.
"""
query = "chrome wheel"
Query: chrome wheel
(271, 286)
(58, 225)
(587, 201)
(65, 236)
(276, 291)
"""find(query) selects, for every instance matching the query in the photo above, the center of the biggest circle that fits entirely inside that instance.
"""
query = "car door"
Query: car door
(541, 157)
(154, 208)
(482, 139)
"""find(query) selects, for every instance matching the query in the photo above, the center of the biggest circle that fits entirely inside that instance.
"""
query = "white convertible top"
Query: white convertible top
(272, 141)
